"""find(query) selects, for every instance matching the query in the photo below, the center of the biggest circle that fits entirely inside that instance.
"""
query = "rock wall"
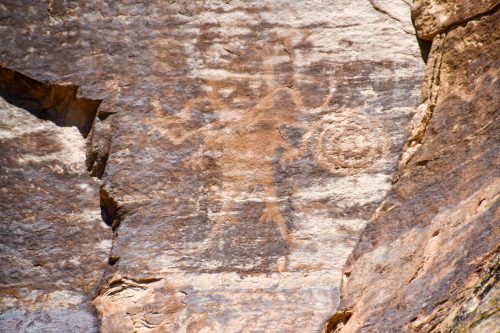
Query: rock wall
(54, 246)
(428, 261)
(238, 149)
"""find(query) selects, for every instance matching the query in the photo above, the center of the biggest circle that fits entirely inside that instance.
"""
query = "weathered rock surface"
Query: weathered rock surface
(432, 17)
(54, 246)
(242, 146)
(428, 261)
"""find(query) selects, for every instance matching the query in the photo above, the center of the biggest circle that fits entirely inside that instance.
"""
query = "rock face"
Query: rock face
(54, 246)
(432, 17)
(241, 147)
(428, 260)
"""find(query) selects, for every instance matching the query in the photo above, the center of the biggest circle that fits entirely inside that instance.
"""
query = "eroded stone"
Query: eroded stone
(426, 261)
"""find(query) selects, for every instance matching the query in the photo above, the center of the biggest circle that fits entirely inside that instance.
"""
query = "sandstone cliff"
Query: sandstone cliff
(208, 166)
(428, 261)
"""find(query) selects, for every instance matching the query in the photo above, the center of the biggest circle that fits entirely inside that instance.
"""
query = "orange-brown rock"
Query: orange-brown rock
(432, 17)
(428, 261)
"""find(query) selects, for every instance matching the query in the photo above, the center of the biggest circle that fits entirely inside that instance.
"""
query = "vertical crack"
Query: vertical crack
(109, 209)
(425, 48)
(99, 145)
(422, 118)
(112, 214)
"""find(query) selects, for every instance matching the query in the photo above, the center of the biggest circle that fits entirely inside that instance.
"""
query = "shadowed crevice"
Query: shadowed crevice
(109, 209)
(111, 214)
(57, 103)
(337, 321)
(425, 48)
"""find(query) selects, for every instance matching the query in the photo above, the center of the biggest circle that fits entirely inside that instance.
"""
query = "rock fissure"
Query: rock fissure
(422, 118)
(112, 214)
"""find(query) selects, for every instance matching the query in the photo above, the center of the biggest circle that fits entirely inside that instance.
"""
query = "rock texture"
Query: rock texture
(432, 17)
(54, 246)
(428, 261)
(242, 146)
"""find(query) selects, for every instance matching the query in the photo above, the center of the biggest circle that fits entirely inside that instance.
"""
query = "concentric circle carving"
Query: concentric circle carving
(349, 143)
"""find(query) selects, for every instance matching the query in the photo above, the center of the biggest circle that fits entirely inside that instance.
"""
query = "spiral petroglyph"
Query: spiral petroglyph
(346, 144)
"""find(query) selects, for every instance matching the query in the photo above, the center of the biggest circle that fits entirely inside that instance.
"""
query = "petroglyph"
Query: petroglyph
(347, 143)
(247, 143)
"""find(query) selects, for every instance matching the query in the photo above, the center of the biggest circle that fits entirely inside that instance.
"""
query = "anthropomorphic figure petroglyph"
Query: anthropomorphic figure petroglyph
(244, 139)
(245, 146)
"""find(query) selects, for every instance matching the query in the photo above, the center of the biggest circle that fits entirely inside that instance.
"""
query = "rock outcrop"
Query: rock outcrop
(54, 245)
(432, 17)
(219, 160)
(428, 261)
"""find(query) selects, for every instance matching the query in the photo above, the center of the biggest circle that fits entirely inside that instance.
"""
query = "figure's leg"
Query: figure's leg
(272, 213)
(224, 218)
